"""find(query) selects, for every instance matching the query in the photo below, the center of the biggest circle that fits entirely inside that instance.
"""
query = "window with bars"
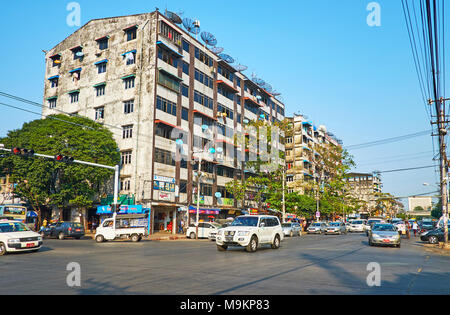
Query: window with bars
(54, 82)
(126, 157)
(167, 57)
(128, 107)
(170, 33)
(203, 57)
(74, 97)
(129, 83)
(52, 103)
(203, 100)
(100, 90)
(101, 67)
(100, 113)
(164, 157)
(103, 43)
(127, 132)
(203, 78)
(131, 33)
(168, 82)
(166, 105)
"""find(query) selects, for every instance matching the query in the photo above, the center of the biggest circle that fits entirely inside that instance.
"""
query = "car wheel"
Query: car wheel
(2, 249)
(222, 248)
(61, 236)
(252, 245)
(99, 239)
(135, 238)
(433, 240)
(192, 236)
(276, 242)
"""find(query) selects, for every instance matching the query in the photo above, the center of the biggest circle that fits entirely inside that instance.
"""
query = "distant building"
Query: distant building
(425, 202)
(364, 186)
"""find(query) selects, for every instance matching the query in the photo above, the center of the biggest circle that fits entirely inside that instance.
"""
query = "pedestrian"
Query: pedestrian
(180, 227)
(415, 228)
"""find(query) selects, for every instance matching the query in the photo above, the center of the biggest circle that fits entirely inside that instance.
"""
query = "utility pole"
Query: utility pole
(443, 162)
(284, 200)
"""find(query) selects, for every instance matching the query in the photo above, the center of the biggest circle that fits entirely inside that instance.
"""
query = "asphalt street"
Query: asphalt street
(310, 264)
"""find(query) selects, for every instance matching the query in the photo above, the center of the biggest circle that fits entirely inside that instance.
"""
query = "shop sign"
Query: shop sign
(164, 196)
(162, 183)
(124, 209)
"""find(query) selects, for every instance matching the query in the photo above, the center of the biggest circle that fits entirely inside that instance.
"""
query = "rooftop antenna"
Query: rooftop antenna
(209, 39)
(175, 18)
(226, 58)
(216, 50)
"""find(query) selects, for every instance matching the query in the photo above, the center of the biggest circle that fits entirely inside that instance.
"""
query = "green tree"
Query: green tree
(418, 208)
(43, 182)
(437, 210)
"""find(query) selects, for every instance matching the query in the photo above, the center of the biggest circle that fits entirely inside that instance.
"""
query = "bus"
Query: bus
(15, 212)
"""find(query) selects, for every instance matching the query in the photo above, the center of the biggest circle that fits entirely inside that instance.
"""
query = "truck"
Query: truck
(131, 226)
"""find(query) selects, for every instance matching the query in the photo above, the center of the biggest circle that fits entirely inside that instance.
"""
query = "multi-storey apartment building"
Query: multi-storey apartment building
(365, 186)
(301, 152)
(160, 91)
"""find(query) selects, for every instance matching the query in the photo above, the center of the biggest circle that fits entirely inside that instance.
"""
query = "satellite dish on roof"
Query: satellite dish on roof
(209, 39)
(175, 18)
(240, 67)
(258, 81)
(267, 87)
(216, 50)
(191, 26)
(226, 58)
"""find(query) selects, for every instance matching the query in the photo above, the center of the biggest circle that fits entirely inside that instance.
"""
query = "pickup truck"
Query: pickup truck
(122, 227)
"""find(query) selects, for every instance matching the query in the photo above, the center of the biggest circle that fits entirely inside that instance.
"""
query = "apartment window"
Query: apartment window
(54, 82)
(183, 187)
(289, 140)
(205, 189)
(130, 57)
(125, 185)
(166, 106)
(185, 68)
(126, 157)
(203, 78)
(238, 81)
(200, 55)
(127, 132)
(239, 118)
(167, 57)
(164, 157)
(77, 53)
(186, 46)
(101, 67)
(223, 109)
(56, 60)
(185, 90)
(163, 131)
(226, 73)
(203, 100)
(170, 33)
(169, 82)
(252, 108)
(100, 90)
(131, 33)
(100, 113)
(128, 107)
(74, 96)
(52, 103)
(129, 82)
(225, 92)
(184, 114)
(103, 43)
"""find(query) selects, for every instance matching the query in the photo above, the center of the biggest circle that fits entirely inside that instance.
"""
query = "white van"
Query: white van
(17, 237)
(120, 227)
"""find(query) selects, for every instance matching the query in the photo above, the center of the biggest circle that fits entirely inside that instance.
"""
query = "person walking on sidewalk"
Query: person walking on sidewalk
(415, 227)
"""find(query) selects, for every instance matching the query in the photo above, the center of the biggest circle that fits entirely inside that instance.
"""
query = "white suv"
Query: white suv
(17, 237)
(251, 231)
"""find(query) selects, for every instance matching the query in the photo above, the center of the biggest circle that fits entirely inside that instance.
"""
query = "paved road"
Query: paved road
(311, 264)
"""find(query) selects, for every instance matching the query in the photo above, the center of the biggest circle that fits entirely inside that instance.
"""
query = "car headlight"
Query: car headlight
(39, 238)
(13, 240)
(243, 233)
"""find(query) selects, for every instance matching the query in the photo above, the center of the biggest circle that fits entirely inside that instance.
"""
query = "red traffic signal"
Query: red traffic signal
(63, 158)
(22, 152)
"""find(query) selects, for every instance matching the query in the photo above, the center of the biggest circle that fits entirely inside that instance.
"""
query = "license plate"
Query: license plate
(387, 241)
(30, 245)
(78, 230)
(228, 239)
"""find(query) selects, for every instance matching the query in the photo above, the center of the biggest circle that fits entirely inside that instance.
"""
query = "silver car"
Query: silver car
(317, 228)
(356, 226)
(291, 229)
(384, 234)
(336, 228)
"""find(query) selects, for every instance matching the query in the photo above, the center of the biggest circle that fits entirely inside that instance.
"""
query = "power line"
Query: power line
(406, 169)
(387, 140)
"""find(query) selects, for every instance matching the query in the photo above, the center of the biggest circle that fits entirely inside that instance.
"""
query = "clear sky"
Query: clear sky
(357, 80)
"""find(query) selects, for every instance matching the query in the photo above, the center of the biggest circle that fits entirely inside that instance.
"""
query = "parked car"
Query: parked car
(17, 237)
(316, 228)
(127, 226)
(292, 229)
(62, 230)
(384, 234)
(204, 229)
(213, 233)
(426, 226)
(356, 226)
(336, 228)
(251, 232)
(433, 236)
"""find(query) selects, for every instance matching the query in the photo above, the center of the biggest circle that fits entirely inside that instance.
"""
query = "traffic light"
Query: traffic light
(63, 158)
(22, 152)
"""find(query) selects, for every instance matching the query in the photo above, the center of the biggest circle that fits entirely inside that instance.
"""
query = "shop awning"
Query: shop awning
(193, 209)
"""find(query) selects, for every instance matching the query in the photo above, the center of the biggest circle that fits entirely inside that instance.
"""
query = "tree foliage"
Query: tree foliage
(44, 182)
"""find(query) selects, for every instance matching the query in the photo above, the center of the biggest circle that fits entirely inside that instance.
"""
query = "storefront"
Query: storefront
(105, 212)
(204, 214)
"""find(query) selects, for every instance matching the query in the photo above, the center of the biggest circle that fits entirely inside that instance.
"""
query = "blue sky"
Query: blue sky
(329, 64)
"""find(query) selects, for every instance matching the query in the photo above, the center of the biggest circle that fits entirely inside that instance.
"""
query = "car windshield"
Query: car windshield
(286, 225)
(13, 227)
(384, 227)
(334, 224)
(317, 224)
(373, 221)
(245, 221)
(357, 222)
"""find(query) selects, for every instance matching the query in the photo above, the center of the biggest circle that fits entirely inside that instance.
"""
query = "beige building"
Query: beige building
(364, 186)
(153, 84)
(425, 202)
